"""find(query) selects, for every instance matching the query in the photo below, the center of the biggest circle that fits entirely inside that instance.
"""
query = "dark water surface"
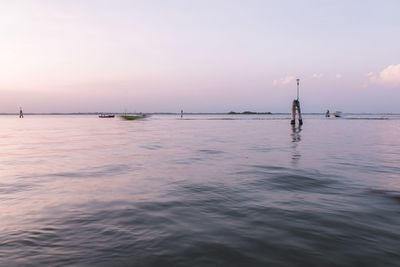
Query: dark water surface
(202, 191)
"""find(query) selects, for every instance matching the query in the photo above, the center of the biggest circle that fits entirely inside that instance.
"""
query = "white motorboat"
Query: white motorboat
(338, 114)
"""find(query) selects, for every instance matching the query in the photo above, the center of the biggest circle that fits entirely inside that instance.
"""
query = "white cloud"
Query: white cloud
(372, 77)
(390, 76)
(287, 79)
(338, 76)
(317, 75)
(284, 80)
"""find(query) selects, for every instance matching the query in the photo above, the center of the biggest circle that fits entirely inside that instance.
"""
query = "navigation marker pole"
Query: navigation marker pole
(296, 107)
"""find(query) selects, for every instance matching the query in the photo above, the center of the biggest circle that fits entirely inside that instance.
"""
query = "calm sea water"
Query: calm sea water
(200, 191)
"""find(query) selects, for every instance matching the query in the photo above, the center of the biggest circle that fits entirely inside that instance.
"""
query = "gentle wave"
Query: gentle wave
(80, 191)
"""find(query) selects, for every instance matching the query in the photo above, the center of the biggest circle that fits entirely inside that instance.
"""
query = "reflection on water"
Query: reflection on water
(203, 191)
(296, 138)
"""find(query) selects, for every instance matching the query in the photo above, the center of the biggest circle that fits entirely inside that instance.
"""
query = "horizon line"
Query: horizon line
(187, 113)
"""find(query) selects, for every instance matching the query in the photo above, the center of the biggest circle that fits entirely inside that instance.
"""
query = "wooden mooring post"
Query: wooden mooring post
(296, 108)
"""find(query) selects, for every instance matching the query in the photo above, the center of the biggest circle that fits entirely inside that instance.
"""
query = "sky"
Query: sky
(199, 55)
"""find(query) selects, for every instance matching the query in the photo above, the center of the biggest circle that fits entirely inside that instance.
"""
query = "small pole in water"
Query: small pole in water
(181, 113)
(293, 117)
(296, 107)
(21, 113)
(327, 114)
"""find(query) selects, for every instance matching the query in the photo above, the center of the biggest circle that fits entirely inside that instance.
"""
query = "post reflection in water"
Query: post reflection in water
(296, 138)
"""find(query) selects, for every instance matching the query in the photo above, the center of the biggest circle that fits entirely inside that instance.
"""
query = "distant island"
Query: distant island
(247, 113)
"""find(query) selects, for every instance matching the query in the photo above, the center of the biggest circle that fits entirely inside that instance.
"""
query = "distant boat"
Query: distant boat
(106, 116)
(134, 117)
(338, 114)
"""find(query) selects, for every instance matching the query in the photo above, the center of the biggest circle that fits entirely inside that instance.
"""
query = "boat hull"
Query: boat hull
(106, 116)
(338, 114)
(133, 117)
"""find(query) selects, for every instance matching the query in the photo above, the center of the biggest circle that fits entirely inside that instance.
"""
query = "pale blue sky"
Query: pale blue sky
(200, 56)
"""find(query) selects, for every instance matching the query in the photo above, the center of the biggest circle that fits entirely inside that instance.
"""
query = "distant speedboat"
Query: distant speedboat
(338, 114)
(106, 116)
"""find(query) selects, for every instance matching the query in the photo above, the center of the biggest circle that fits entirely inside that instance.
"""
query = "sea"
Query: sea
(202, 190)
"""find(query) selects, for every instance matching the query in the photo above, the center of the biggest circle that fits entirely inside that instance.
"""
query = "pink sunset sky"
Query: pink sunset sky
(200, 56)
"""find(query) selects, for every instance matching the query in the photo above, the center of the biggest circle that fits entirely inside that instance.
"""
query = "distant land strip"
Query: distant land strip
(188, 113)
